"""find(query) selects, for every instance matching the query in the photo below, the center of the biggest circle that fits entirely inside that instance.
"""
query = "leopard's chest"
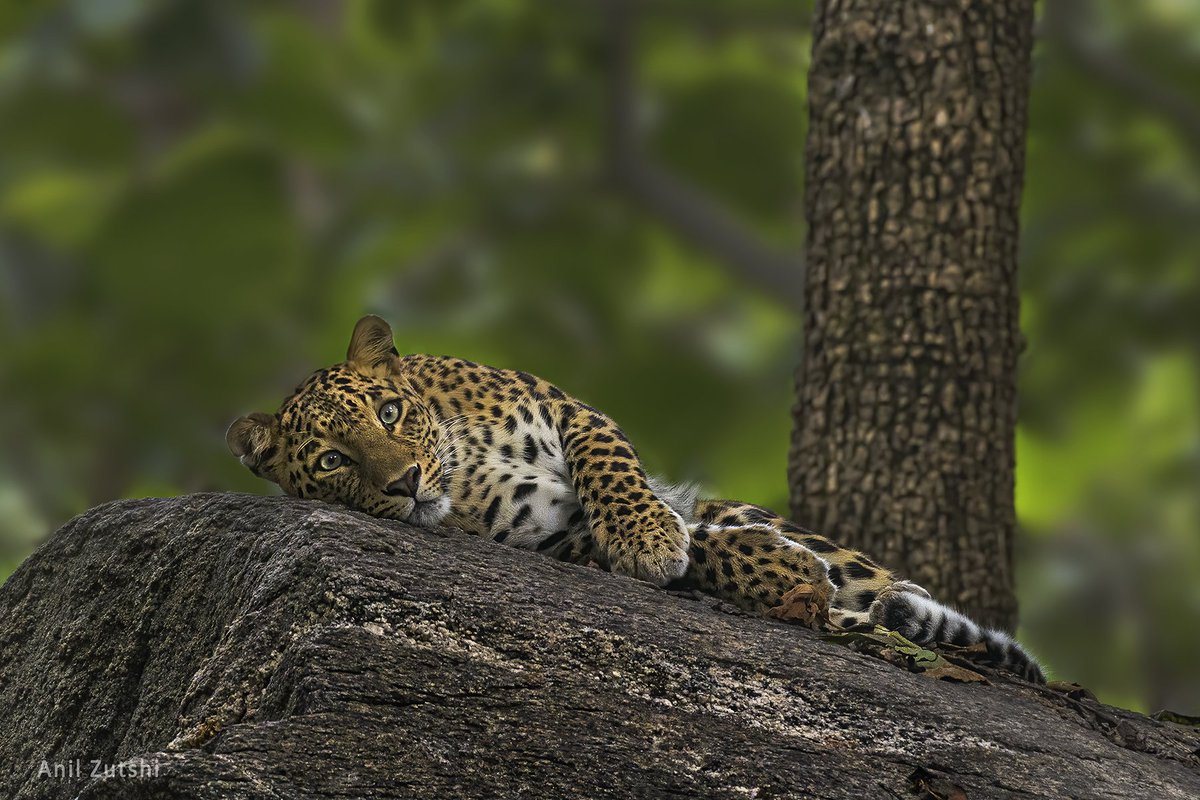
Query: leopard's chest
(509, 481)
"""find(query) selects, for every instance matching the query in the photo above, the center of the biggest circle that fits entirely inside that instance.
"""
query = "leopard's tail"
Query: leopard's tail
(925, 621)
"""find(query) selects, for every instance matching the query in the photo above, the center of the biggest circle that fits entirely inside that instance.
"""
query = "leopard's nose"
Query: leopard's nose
(406, 485)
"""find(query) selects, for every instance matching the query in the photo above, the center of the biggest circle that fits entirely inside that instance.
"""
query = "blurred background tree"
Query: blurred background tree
(198, 198)
(906, 393)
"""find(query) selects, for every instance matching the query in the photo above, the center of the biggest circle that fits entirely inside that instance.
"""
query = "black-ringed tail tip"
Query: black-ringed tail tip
(925, 621)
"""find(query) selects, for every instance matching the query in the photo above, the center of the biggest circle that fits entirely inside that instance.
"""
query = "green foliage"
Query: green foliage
(1108, 456)
(198, 199)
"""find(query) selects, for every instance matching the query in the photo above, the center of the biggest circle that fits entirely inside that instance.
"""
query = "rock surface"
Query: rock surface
(235, 646)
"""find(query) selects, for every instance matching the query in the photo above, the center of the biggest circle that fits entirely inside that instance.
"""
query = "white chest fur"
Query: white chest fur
(510, 480)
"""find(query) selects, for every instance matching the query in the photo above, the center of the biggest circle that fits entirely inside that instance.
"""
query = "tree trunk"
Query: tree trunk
(232, 646)
(906, 392)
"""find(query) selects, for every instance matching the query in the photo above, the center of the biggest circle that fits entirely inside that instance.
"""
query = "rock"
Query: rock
(234, 646)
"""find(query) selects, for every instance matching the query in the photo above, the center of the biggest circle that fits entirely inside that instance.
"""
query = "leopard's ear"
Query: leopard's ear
(371, 345)
(254, 439)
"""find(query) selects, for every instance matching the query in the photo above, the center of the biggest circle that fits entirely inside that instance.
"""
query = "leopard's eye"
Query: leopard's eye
(332, 460)
(389, 413)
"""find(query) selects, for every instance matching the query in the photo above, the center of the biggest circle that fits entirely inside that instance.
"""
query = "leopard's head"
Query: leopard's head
(356, 433)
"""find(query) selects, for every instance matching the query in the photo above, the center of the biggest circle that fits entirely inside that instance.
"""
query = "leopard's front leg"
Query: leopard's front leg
(638, 534)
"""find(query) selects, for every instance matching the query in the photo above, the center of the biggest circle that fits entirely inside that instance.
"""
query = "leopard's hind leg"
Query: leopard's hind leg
(752, 566)
(858, 579)
(868, 594)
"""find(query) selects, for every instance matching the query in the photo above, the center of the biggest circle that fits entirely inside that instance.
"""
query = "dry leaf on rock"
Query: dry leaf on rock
(1071, 690)
(804, 604)
(1176, 717)
(953, 672)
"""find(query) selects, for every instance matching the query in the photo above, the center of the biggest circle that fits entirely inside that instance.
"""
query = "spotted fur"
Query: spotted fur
(506, 455)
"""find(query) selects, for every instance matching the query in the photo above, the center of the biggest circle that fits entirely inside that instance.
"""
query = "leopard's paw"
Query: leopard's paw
(653, 547)
(899, 608)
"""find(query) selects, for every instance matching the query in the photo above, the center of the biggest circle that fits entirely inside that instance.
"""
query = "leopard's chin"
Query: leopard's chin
(426, 513)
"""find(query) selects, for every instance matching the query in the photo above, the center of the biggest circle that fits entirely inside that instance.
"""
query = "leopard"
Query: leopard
(510, 457)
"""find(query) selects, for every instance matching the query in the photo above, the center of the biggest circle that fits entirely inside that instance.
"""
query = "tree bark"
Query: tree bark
(232, 646)
(906, 391)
